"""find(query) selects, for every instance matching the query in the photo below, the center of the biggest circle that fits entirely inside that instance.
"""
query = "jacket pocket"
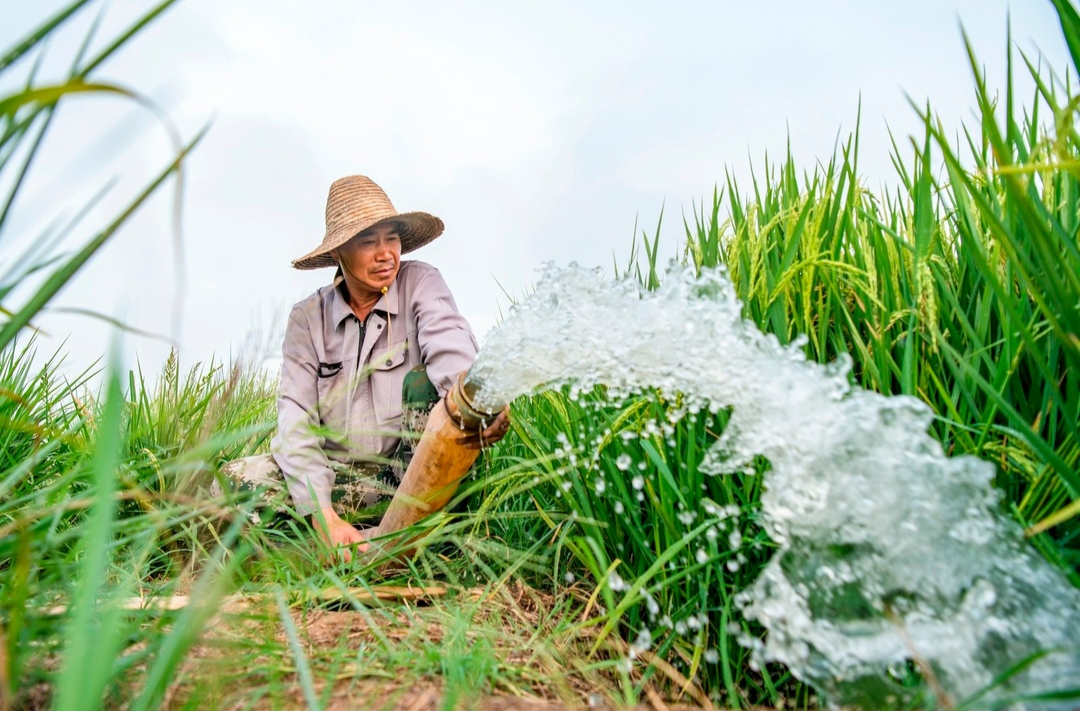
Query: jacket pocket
(333, 392)
(388, 369)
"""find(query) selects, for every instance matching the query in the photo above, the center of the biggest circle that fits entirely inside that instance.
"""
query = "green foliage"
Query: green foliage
(959, 287)
(180, 430)
(25, 117)
(81, 528)
(960, 290)
(627, 506)
(103, 500)
(35, 412)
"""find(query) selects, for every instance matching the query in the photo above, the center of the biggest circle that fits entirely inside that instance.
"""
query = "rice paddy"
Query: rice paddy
(544, 582)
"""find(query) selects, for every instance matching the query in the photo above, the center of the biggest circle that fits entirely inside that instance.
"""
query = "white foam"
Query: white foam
(888, 549)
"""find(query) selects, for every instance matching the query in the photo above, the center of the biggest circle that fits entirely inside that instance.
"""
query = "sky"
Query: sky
(538, 131)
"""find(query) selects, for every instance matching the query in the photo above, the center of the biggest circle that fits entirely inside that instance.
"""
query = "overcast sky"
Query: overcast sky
(536, 130)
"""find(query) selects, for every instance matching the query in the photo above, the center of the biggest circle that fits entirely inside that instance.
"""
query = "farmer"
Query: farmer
(365, 359)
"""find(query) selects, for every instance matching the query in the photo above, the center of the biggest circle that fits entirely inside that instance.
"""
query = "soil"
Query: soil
(550, 677)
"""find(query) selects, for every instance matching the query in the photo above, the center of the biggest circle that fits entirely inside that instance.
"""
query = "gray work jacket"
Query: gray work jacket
(339, 398)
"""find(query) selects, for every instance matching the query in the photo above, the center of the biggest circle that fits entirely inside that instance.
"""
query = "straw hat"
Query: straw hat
(356, 203)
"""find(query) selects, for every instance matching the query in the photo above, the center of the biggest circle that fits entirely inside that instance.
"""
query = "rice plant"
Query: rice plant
(69, 557)
(959, 286)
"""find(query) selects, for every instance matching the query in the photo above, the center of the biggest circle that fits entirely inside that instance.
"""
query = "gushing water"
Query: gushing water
(888, 550)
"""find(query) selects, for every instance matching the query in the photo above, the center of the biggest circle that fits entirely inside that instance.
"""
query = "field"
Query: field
(125, 584)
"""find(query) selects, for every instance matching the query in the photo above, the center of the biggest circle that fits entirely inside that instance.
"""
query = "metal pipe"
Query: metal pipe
(439, 462)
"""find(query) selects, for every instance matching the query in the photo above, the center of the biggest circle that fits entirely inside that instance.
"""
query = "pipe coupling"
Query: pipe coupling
(459, 402)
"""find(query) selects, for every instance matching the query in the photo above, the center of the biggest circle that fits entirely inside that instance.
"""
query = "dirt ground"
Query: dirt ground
(478, 649)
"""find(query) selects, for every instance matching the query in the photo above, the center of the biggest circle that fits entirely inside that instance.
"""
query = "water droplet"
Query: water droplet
(641, 643)
(735, 539)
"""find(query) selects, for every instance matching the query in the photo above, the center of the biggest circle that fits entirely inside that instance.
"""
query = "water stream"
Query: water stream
(889, 551)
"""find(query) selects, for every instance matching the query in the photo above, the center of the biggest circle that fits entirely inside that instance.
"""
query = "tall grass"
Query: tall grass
(104, 495)
(82, 527)
(958, 286)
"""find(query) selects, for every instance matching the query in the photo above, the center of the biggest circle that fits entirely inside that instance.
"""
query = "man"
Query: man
(380, 344)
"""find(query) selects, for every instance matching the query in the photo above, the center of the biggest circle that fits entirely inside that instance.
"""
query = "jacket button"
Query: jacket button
(389, 362)
(378, 325)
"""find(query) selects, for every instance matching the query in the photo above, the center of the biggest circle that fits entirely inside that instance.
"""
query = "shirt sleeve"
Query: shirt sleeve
(447, 343)
(298, 448)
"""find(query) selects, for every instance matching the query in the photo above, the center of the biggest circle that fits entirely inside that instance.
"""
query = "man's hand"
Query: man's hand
(491, 434)
(337, 533)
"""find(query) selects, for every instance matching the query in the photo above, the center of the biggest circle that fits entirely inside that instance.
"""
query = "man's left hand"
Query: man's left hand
(490, 435)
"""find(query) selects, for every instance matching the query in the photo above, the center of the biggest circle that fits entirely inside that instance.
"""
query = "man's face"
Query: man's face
(373, 257)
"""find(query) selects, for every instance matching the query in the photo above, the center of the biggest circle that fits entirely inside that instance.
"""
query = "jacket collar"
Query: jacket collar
(339, 306)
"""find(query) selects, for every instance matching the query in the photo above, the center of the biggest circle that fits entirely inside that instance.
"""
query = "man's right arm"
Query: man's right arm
(298, 448)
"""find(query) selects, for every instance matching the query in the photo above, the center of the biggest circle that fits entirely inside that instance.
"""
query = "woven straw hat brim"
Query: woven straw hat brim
(419, 229)
(356, 203)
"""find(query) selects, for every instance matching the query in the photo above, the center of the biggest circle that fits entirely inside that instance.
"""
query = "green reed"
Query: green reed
(79, 532)
(958, 286)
